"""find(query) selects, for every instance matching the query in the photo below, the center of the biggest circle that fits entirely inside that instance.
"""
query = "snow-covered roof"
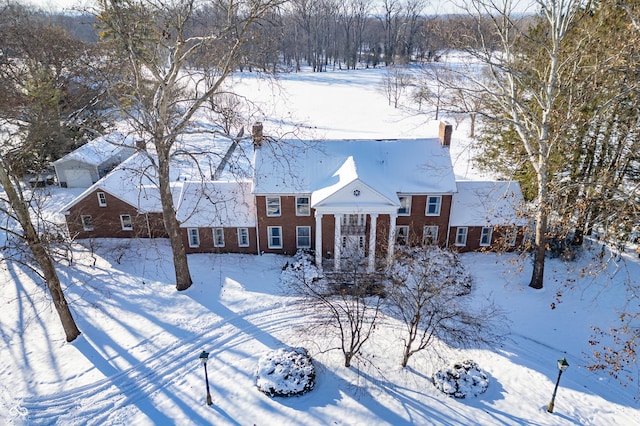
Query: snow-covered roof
(484, 203)
(412, 166)
(134, 182)
(100, 150)
(216, 204)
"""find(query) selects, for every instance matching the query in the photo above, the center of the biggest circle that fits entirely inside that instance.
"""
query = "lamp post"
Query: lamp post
(562, 365)
(204, 356)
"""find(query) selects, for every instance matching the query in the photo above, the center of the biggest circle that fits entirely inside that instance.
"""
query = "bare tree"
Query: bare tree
(394, 84)
(163, 93)
(346, 304)
(15, 207)
(428, 292)
(523, 92)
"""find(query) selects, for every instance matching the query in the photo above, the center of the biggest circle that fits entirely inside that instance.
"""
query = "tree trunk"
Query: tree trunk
(45, 262)
(43, 258)
(172, 226)
(539, 251)
(347, 359)
(405, 357)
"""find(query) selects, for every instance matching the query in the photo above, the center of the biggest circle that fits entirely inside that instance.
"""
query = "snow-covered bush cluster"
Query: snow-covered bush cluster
(302, 267)
(285, 372)
(462, 379)
(434, 267)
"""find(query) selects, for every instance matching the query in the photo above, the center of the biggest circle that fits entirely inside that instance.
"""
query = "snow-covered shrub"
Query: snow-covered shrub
(302, 267)
(285, 372)
(462, 379)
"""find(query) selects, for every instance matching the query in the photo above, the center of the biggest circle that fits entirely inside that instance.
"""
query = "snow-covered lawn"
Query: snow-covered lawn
(137, 359)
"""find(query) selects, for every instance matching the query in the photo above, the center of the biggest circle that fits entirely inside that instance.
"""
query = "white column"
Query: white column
(337, 242)
(372, 243)
(392, 237)
(319, 240)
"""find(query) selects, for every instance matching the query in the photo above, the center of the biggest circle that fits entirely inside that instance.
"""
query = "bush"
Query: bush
(462, 379)
(285, 372)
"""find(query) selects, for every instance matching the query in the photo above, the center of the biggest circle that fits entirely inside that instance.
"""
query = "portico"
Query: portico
(352, 206)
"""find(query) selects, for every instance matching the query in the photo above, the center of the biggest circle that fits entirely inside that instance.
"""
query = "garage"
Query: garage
(78, 178)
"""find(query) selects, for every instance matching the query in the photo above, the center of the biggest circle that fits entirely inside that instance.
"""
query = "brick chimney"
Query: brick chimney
(141, 144)
(446, 130)
(256, 132)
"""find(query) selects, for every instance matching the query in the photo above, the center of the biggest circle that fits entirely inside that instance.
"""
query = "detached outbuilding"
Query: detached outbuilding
(86, 165)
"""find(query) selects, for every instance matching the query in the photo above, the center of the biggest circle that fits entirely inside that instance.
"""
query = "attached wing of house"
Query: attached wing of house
(343, 200)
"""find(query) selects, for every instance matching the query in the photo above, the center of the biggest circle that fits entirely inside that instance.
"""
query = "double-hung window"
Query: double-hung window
(303, 237)
(433, 205)
(273, 206)
(126, 222)
(430, 235)
(102, 199)
(303, 206)
(194, 237)
(405, 205)
(275, 237)
(218, 237)
(243, 237)
(461, 236)
(87, 222)
(485, 236)
(402, 235)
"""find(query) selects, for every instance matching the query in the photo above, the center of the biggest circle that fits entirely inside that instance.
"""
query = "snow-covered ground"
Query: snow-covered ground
(136, 361)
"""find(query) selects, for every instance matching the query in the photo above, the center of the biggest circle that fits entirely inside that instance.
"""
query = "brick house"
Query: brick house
(340, 199)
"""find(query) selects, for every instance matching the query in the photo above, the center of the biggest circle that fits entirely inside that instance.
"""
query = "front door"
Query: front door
(352, 246)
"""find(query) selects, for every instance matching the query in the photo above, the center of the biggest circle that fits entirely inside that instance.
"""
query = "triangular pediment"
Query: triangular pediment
(355, 196)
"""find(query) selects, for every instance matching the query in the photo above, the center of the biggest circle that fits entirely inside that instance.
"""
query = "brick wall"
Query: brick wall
(287, 220)
(418, 220)
(230, 241)
(106, 219)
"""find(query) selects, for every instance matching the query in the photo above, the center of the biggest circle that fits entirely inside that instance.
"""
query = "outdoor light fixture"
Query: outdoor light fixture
(562, 365)
(204, 356)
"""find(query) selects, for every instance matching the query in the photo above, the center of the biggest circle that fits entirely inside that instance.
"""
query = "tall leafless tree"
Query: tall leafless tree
(524, 92)
(15, 206)
(163, 92)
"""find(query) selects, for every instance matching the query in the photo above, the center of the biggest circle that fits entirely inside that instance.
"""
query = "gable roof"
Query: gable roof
(413, 166)
(133, 181)
(487, 203)
(101, 150)
(199, 203)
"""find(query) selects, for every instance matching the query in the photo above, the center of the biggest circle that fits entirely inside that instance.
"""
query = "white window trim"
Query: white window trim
(279, 213)
(127, 227)
(240, 232)
(406, 234)
(102, 199)
(215, 237)
(86, 227)
(298, 245)
(270, 237)
(482, 234)
(190, 233)
(458, 233)
(308, 205)
(433, 235)
(426, 211)
(408, 212)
